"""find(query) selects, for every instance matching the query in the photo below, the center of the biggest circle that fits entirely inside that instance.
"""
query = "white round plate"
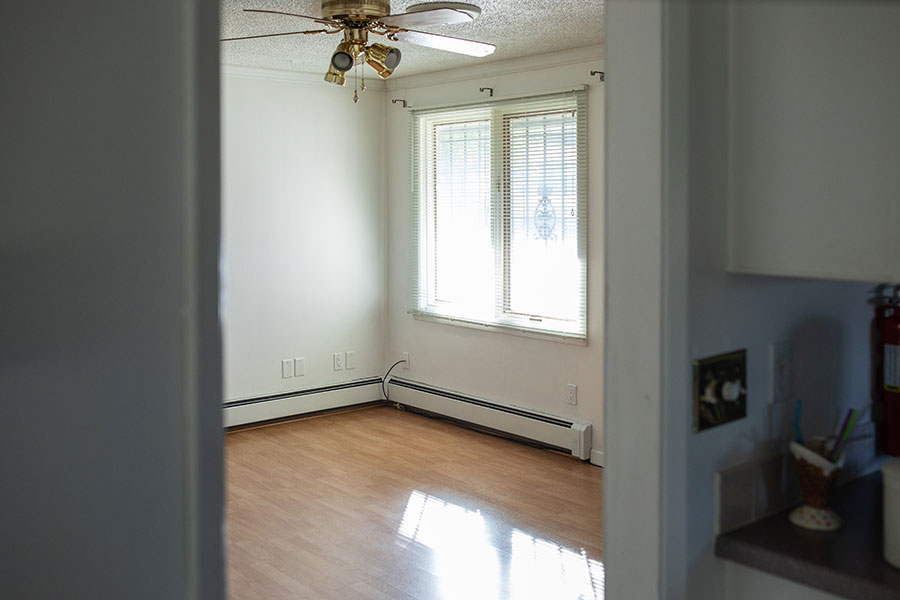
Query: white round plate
(817, 519)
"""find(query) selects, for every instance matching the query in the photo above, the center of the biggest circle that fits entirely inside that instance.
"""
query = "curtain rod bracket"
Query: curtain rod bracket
(491, 90)
(396, 100)
(601, 74)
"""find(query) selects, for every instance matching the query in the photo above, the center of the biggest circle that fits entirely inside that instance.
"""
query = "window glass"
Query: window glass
(541, 242)
(461, 215)
(500, 215)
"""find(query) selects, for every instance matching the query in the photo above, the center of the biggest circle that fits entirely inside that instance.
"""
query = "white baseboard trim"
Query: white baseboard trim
(258, 410)
(553, 430)
(597, 457)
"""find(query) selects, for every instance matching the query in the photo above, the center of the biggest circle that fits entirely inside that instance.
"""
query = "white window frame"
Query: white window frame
(424, 305)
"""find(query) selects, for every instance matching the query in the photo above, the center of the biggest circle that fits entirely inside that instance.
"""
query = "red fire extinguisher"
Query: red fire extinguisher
(879, 300)
(890, 339)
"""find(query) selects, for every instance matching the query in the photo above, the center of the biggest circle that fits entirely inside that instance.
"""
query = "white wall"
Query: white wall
(110, 368)
(633, 519)
(503, 367)
(302, 204)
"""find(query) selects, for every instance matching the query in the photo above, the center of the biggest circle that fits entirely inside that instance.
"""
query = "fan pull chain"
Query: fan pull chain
(355, 83)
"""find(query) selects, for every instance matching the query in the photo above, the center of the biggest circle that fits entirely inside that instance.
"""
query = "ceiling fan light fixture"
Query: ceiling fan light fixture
(341, 61)
(356, 19)
(344, 57)
(384, 59)
(335, 76)
(348, 52)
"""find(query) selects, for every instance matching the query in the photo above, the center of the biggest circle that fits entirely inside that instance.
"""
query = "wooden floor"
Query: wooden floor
(380, 503)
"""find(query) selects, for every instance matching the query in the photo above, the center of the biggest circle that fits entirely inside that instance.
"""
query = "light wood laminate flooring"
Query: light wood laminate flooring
(385, 504)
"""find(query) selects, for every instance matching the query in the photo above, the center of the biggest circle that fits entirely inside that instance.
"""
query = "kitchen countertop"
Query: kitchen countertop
(848, 562)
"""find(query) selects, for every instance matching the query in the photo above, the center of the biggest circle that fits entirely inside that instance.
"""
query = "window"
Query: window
(500, 215)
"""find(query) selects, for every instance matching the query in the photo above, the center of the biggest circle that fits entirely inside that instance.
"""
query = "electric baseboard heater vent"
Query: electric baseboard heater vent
(555, 431)
(302, 402)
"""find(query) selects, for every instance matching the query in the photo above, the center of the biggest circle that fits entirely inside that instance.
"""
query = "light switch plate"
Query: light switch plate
(720, 389)
(287, 368)
(299, 367)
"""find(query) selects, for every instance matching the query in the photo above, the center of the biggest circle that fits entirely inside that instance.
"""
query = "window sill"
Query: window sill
(551, 336)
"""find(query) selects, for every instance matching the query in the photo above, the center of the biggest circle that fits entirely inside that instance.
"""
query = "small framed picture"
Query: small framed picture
(720, 389)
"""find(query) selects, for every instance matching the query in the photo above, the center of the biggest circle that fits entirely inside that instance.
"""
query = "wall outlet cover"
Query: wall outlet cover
(572, 394)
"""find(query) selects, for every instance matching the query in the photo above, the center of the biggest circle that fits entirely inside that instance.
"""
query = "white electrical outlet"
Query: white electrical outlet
(780, 367)
(572, 394)
(287, 368)
(406, 361)
(339, 360)
(351, 360)
(299, 367)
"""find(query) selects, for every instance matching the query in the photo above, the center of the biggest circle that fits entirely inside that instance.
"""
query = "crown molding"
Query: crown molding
(587, 54)
(374, 84)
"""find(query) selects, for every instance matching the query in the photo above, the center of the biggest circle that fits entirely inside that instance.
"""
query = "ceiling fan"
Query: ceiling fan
(358, 18)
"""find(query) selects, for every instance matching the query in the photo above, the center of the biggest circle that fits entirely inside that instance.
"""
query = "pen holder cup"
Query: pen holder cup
(817, 476)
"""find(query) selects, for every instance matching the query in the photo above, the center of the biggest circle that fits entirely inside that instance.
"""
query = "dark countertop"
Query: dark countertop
(848, 562)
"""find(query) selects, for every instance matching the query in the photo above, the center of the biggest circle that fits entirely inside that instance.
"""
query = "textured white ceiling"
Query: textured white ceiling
(516, 27)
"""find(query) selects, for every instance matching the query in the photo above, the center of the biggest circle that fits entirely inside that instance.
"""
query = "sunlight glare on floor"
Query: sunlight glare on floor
(474, 559)
(542, 569)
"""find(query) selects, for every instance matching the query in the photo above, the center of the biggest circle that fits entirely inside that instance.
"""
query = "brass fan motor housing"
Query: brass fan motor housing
(355, 9)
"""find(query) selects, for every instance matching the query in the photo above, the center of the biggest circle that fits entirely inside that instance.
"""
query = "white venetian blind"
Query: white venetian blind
(500, 218)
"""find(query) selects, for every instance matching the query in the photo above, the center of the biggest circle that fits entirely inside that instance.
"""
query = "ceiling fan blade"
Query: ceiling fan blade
(442, 42)
(266, 35)
(278, 12)
(434, 16)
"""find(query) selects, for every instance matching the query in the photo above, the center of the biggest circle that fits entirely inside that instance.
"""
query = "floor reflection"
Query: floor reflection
(477, 559)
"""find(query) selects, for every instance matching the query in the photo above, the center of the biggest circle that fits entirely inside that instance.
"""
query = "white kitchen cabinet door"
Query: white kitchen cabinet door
(814, 129)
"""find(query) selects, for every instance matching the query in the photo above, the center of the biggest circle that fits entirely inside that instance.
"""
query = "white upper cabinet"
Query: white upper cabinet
(814, 130)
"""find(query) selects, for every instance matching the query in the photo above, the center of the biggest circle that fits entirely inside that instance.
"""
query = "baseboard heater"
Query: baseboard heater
(557, 432)
(304, 402)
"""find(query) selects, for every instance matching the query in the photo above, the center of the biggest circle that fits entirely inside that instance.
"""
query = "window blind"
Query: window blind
(500, 214)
